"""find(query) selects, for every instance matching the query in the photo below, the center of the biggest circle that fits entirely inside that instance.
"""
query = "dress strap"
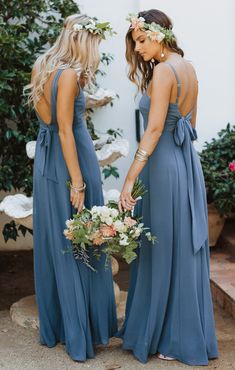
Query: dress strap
(54, 89)
(177, 79)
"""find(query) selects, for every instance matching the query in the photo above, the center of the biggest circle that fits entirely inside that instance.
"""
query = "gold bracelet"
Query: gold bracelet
(77, 189)
(141, 155)
(140, 158)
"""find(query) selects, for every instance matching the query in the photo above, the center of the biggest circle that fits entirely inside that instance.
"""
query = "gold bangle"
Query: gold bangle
(77, 189)
(142, 151)
(141, 155)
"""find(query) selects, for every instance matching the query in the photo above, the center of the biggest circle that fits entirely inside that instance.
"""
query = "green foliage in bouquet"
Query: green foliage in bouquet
(106, 230)
(217, 160)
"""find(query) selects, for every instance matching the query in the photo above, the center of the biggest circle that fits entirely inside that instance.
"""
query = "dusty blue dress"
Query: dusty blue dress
(76, 305)
(169, 308)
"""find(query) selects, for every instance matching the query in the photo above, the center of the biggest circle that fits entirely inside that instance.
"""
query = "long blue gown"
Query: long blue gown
(76, 305)
(169, 307)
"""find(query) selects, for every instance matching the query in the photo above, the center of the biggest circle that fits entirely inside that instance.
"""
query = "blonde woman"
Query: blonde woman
(169, 309)
(76, 305)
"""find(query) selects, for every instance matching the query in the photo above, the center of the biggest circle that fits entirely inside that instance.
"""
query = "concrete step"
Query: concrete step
(222, 273)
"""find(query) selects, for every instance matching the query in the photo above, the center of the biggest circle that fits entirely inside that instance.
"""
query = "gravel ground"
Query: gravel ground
(19, 350)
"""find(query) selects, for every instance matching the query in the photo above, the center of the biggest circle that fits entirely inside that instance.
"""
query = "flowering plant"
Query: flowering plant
(218, 164)
(153, 30)
(103, 29)
(104, 229)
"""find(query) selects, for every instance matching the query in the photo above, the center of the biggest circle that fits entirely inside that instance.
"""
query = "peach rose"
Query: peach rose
(96, 238)
(107, 231)
(129, 221)
(68, 234)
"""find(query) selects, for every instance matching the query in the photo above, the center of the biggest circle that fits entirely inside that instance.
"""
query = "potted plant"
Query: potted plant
(218, 164)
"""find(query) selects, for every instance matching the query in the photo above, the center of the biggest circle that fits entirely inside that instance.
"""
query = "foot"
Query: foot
(166, 358)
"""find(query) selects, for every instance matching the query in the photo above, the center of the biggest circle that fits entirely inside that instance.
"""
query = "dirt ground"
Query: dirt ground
(16, 276)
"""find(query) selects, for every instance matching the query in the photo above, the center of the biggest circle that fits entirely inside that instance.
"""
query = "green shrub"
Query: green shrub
(216, 159)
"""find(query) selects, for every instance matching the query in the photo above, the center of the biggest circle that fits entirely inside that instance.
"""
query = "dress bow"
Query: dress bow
(47, 162)
(184, 134)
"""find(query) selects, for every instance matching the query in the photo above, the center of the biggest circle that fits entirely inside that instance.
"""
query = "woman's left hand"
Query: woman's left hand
(126, 201)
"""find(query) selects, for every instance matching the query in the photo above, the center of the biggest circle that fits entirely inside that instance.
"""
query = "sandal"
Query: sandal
(166, 358)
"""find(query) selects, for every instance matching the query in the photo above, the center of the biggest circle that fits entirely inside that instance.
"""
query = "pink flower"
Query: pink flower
(107, 231)
(232, 166)
(68, 234)
(137, 23)
(96, 238)
(129, 221)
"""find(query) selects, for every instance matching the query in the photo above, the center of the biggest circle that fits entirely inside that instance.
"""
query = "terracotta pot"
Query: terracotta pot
(215, 224)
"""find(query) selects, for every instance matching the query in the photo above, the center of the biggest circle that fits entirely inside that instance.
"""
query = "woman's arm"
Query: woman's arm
(67, 92)
(160, 96)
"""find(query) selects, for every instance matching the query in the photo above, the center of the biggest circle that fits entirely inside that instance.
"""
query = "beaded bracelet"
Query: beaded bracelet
(78, 190)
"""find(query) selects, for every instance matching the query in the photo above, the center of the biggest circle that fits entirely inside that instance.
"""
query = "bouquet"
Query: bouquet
(104, 229)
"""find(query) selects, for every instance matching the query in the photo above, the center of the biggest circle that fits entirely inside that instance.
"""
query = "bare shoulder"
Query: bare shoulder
(68, 80)
(161, 72)
(68, 76)
(191, 68)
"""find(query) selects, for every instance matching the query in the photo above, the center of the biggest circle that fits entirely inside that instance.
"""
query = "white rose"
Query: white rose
(94, 209)
(114, 212)
(105, 212)
(77, 27)
(160, 36)
(119, 226)
(123, 240)
(137, 233)
(108, 221)
(69, 223)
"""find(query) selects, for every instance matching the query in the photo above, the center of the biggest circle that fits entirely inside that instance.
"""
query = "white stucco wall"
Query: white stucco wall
(206, 32)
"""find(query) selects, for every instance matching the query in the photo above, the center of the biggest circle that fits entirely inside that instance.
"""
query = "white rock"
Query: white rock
(25, 313)
(106, 155)
(17, 206)
(20, 208)
(101, 94)
(111, 152)
(117, 293)
(30, 149)
(99, 98)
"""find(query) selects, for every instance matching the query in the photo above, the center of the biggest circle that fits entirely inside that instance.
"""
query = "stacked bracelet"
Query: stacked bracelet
(141, 155)
(77, 189)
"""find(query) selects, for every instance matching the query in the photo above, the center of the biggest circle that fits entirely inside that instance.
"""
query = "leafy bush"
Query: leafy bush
(25, 32)
(218, 165)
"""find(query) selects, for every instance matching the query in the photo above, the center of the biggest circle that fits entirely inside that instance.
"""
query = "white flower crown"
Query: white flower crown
(153, 30)
(103, 29)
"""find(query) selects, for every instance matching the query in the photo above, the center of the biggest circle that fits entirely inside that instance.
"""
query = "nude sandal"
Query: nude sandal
(166, 358)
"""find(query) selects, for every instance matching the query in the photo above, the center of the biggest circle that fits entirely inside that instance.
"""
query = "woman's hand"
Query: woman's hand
(126, 201)
(77, 199)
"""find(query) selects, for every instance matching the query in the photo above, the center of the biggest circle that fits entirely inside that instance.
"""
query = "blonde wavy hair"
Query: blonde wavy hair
(141, 72)
(72, 49)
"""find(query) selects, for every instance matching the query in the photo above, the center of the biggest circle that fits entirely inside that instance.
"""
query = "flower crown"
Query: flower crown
(153, 30)
(103, 29)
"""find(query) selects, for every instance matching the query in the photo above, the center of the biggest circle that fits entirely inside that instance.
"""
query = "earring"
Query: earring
(162, 51)
(152, 60)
